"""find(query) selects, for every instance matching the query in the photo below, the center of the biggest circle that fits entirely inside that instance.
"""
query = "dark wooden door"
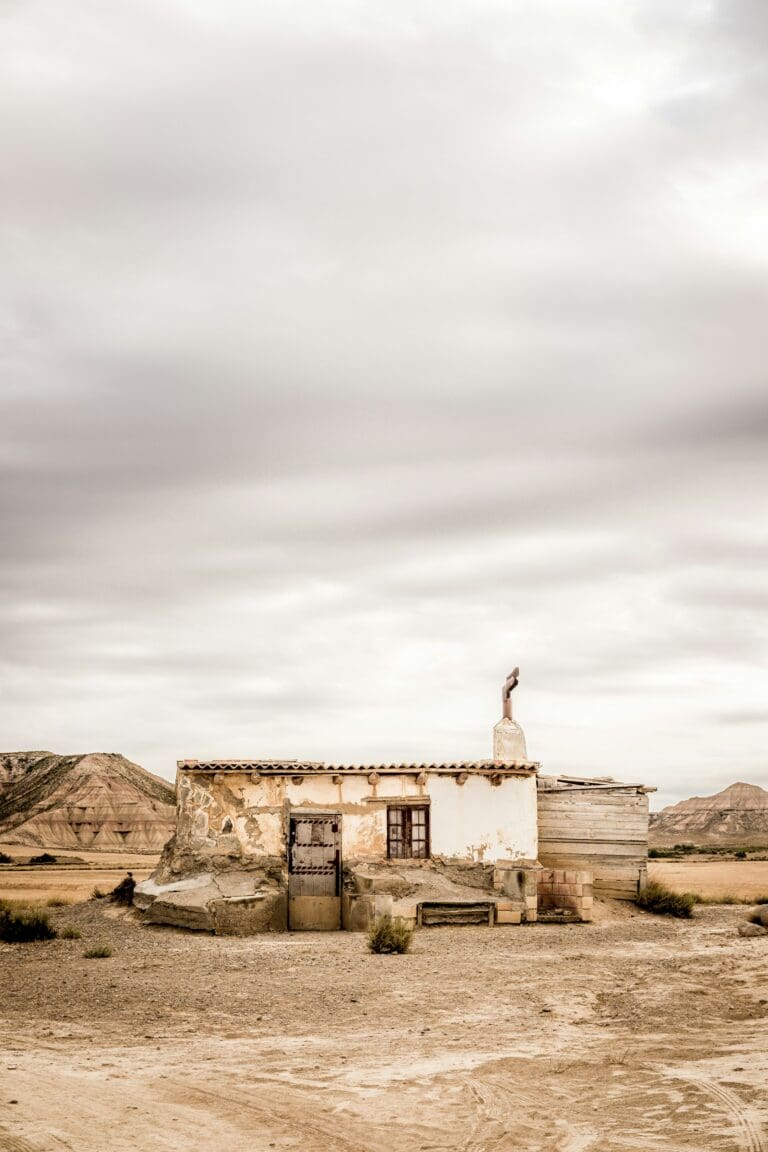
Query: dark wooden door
(314, 871)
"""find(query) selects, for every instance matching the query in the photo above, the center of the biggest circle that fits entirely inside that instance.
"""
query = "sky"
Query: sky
(354, 353)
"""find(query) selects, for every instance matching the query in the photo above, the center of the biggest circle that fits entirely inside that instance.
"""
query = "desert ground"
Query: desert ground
(713, 879)
(634, 1033)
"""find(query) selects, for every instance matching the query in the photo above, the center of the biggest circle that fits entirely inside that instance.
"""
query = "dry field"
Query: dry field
(71, 882)
(635, 1034)
(744, 879)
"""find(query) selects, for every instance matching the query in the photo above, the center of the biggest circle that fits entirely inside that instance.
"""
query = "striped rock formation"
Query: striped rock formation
(737, 815)
(99, 801)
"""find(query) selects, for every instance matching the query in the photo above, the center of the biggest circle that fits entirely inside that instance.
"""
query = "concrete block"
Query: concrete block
(531, 916)
(508, 917)
(531, 902)
(586, 902)
(570, 877)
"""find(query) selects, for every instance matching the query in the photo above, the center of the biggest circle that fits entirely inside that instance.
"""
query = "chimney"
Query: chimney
(508, 736)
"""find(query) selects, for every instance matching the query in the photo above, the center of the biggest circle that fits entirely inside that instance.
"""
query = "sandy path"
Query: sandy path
(636, 1035)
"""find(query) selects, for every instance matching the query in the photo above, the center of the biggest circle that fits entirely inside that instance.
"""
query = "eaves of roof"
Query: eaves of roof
(309, 768)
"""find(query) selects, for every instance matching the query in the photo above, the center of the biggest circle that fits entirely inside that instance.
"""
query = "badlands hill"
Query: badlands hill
(737, 815)
(100, 801)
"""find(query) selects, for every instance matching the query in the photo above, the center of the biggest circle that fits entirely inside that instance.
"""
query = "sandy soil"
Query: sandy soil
(744, 879)
(637, 1033)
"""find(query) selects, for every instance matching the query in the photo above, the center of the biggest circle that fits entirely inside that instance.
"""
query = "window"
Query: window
(407, 832)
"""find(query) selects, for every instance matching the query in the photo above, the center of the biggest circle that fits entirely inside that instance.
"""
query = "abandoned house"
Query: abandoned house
(265, 845)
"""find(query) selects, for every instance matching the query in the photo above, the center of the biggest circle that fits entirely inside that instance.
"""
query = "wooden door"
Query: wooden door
(314, 871)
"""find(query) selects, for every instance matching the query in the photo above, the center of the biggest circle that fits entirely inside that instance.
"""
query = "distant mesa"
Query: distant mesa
(737, 815)
(99, 802)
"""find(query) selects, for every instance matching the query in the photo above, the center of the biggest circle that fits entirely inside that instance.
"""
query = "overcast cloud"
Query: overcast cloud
(353, 353)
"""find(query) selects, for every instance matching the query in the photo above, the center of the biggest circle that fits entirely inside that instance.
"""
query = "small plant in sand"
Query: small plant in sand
(25, 926)
(70, 934)
(387, 935)
(57, 902)
(43, 858)
(97, 894)
(663, 901)
(5, 858)
(101, 953)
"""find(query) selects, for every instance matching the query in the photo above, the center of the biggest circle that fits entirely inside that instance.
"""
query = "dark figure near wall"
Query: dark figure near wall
(123, 892)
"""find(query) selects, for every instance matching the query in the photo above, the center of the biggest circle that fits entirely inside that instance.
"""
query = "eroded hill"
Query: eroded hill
(99, 801)
(737, 815)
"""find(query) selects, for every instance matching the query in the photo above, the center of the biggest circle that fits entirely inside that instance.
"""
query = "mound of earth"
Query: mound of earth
(737, 815)
(99, 801)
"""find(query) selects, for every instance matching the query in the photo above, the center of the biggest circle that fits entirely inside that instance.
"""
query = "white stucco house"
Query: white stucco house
(265, 845)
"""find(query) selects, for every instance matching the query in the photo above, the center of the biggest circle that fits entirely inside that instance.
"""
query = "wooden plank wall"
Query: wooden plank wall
(603, 831)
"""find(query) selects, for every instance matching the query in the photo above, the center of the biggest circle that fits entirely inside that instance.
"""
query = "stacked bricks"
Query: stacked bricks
(563, 888)
(515, 882)
(508, 912)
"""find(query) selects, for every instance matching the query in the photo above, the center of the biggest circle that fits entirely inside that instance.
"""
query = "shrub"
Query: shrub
(98, 953)
(5, 858)
(57, 902)
(740, 854)
(43, 858)
(760, 900)
(25, 926)
(97, 894)
(663, 901)
(388, 935)
(70, 934)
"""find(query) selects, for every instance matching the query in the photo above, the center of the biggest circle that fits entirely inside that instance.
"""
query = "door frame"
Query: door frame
(314, 913)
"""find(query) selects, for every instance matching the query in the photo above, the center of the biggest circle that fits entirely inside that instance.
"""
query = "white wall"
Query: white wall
(474, 820)
(483, 822)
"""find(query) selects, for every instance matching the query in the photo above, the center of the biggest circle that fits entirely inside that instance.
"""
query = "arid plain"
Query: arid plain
(633, 1033)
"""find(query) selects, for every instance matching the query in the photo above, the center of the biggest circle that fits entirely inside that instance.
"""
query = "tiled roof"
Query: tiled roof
(307, 767)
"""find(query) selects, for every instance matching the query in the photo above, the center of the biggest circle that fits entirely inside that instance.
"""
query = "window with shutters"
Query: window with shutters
(408, 832)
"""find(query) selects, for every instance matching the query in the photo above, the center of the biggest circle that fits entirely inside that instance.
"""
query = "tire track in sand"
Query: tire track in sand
(9, 1143)
(749, 1130)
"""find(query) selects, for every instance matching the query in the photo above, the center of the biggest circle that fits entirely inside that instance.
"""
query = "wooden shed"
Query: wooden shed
(598, 825)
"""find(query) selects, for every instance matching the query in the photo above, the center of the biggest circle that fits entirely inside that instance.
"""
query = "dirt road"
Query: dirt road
(632, 1035)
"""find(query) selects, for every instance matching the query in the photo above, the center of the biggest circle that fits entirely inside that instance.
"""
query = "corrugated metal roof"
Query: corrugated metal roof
(307, 767)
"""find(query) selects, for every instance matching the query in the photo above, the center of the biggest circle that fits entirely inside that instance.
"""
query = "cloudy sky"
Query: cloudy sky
(353, 353)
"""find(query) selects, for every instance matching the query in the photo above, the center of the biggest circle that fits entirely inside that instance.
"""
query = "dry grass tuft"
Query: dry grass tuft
(25, 926)
(664, 902)
(390, 936)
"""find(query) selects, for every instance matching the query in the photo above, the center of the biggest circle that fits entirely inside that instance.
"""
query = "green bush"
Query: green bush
(663, 901)
(388, 935)
(25, 926)
(740, 854)
(70, 934)
(98, 953)
(57, 902)
(760, 900)
(43, 858)
(5, 858)
(97, 894)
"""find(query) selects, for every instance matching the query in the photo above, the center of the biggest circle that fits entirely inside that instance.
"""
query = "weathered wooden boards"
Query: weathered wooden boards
(603, 830)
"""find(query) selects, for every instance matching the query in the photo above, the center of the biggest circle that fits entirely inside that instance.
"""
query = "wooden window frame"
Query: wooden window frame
(404, 824)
